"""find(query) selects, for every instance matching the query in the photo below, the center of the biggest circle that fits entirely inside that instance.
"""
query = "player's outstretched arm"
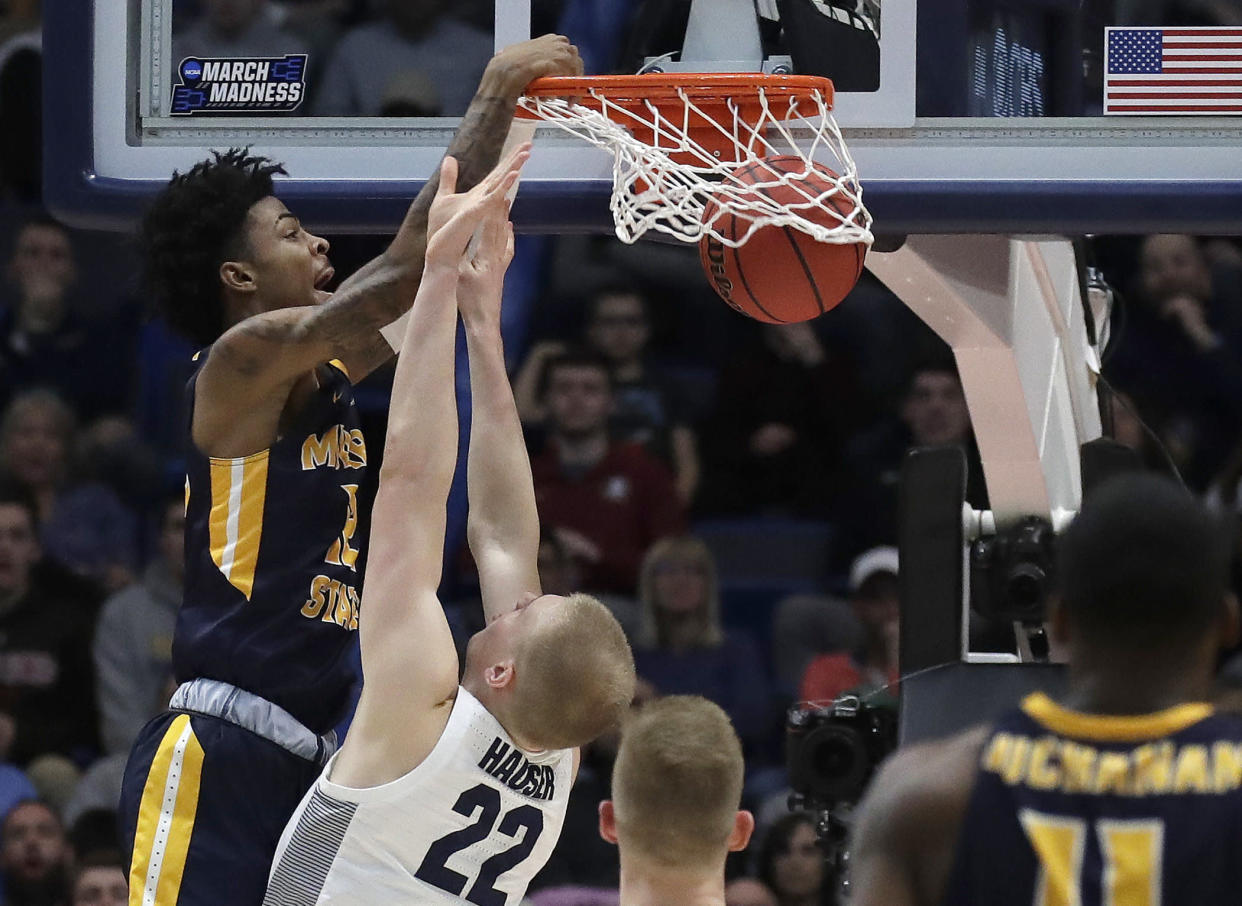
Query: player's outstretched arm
(408, 657)
(503, 525)
(476, 147)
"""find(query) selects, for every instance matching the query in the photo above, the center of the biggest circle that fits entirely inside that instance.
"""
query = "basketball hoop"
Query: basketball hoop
(679, 140)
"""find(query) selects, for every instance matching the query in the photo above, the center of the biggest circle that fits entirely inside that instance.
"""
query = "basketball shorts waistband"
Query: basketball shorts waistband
(256, 714)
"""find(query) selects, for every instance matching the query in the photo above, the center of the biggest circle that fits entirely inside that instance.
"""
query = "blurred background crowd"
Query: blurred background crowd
(728, 488)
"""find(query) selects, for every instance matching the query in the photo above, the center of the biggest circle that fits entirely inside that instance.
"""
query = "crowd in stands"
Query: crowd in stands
(728, 488)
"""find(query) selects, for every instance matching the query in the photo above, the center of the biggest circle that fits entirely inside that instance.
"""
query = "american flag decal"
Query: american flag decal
(1173, 71)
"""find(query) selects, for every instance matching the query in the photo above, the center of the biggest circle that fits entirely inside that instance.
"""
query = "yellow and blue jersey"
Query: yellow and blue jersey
(273, 571)
(1071, 808)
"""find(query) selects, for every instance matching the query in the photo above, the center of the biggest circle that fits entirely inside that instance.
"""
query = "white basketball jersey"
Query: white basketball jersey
(474, 822)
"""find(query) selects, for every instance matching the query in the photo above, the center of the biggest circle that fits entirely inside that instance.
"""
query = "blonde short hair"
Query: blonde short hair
(575, 676)
(677, 783)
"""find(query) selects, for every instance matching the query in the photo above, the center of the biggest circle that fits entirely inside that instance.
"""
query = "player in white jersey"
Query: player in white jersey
(674, 812)
(445, 792)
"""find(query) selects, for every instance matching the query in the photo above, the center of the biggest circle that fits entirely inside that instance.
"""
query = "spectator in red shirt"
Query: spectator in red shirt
(605, 501)
(873, 594)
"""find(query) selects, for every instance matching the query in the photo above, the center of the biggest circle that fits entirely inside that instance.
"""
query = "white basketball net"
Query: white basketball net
(653, 191)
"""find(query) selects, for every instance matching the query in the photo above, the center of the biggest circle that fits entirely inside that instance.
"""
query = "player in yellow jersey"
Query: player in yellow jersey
(275, 460)
(1127, 791)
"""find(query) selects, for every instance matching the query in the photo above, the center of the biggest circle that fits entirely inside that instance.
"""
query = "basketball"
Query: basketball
(782, 275)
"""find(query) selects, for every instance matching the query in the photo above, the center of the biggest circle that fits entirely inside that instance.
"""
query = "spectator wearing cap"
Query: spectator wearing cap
(873, 666)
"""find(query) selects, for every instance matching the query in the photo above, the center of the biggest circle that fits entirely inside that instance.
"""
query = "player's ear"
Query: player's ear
(607, 821)
(498, 676)
(743, 827)
(235, 275)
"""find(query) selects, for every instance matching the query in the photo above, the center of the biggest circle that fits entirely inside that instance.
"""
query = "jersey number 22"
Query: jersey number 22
(484, 801)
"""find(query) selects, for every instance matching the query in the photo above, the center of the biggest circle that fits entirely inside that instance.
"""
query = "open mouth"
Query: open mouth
(325, 278)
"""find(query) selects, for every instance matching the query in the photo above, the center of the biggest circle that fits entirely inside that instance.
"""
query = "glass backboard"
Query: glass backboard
(963, 115)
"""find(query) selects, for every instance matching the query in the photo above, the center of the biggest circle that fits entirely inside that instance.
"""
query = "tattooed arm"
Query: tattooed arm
(476, 147)
(255, 367)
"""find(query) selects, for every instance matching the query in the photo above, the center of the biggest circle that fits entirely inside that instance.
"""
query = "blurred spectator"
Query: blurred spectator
(419, 36)
(773, 444)
(873, 667)
(646, 409)
(605, 501)
(236, 28)
(133, 640)
(47, 699)
(1179, 352)
(932, 413)
(682, 648)
(34, 856)
(43, 341)
(20, 16)
(81, 525)
(93, 833)
(806, 626)
(99, 880)
(791, 863)
(113, 452)
(748, 892)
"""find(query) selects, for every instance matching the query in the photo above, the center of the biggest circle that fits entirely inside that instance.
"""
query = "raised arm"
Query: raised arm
(408, 657)
(476, 147)
(503, 525)
(255, 364)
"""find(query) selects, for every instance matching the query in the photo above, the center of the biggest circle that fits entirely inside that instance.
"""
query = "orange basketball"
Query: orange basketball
(782, 275)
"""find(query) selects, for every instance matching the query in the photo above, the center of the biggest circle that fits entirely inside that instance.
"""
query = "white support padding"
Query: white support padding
(1011, 310)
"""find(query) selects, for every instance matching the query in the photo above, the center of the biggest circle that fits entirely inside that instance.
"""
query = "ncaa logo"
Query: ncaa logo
(191, 70)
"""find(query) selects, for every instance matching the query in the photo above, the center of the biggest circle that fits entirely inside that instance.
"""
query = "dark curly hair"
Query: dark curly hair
(192, 227)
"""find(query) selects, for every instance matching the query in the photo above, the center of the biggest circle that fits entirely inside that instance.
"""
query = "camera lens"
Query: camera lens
(1026, 586)
(836, 763)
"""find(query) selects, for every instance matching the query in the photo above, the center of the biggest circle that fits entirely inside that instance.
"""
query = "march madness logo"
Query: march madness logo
(233, 85)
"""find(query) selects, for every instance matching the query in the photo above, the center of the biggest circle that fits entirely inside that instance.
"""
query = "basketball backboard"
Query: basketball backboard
(990, 122)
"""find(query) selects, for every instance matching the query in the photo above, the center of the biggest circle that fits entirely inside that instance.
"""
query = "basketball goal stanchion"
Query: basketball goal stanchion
(691, 153)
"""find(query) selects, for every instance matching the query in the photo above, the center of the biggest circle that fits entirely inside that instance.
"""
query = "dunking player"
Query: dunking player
(444, 791)
(674, 812)
(1128, 790)
(275, 460)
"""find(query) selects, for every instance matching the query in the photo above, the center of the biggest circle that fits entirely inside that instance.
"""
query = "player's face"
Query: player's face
(101, 886)
(502, 638)
(579, 399)
(33, 842)
(289, 266)
(935, 409)
(619, 329)
(19, 548)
